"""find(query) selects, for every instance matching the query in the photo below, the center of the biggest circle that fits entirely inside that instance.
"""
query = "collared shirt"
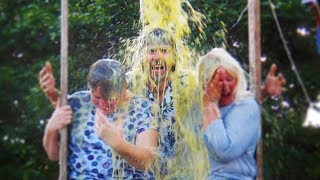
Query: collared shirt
(92, 158)
(165, 127)
(165, 115)
(166, 120)
(231, 141)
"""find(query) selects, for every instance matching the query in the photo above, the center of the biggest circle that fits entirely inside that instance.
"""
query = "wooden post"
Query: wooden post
(63, 151)
(255, 66)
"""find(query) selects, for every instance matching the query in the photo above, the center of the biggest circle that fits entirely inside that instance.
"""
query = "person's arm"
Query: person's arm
(51, 144)
(229, 138)
(139, 155)
(211, 113)
(211, 98)
(47, 84)
(59, 119)
(273, 85)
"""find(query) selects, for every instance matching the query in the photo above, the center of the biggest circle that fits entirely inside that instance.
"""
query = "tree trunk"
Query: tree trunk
(255, 66)
(63, 151)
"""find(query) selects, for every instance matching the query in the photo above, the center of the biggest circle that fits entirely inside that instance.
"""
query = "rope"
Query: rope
(294, 68)
(243, 11)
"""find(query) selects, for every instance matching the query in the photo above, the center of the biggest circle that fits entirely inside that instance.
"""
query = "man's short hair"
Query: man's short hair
(157, 36)
(109, 75)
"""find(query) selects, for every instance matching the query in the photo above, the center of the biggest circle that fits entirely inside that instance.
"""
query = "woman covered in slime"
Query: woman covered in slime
(231, 117)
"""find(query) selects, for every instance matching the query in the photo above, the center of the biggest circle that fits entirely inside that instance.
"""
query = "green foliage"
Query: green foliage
(289, 147)
(30, 35)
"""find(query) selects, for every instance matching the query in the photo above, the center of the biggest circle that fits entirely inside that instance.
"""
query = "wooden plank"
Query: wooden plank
(63, 151)
(255, 66)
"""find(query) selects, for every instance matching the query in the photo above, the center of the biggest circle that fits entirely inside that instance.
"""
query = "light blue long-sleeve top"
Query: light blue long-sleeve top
(231, 141)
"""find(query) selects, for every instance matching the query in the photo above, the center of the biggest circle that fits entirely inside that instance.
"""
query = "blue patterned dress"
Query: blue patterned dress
(89, 156)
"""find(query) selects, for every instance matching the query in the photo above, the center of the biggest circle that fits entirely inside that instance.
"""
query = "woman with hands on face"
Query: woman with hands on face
(111, 135)
(231, 117)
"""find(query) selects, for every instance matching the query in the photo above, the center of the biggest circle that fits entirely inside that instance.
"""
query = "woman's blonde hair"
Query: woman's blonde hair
(216, 58)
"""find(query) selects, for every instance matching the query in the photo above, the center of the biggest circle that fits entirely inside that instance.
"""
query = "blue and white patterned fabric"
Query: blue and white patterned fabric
(89, 156)
(231, 141)
(166, 121)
